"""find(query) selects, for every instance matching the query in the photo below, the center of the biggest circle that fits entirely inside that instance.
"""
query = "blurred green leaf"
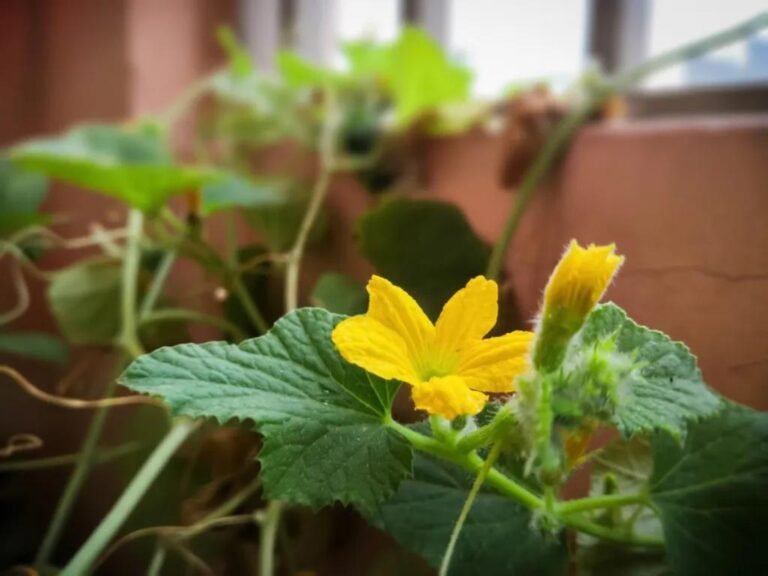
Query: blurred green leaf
(366, 58)
(85, 300)
(35, 345)
(340, 294)
(240, 192)
(301, 73)
(131, 165)
(21, 194)
(426, 247)
(240, 61)
(711, 494)
(420, 76)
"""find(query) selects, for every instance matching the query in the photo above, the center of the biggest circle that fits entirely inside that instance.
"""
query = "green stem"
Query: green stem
(427, 444)
(251, 310)
(269, 528)
(598, 502)
(611, 534)
(158, 559)
(174, 314)
(129, 338)
(533, 179)
(271, 522)
(158, 281)
(81, 563)
(228, 506)
(100, 457)
(481, 437)
(509, 487)
(560, 138)
(132, 348)
(327, 152)
(478, 483)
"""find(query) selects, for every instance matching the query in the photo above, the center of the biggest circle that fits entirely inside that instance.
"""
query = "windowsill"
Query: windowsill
(718, 100)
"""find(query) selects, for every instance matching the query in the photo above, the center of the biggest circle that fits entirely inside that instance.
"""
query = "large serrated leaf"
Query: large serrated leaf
(711, 494)
(322, 418)
(427, 247)
(665, 389)
(131, 165)
(497, 539)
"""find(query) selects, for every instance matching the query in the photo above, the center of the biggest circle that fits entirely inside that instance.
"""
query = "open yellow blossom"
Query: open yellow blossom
(576, 285)
(449, 364)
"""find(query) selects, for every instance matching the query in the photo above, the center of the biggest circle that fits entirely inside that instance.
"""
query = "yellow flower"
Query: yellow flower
(576, 285)
(448, 364)
(581, 278)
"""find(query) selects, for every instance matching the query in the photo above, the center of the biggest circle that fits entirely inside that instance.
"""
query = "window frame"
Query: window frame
(619, 38)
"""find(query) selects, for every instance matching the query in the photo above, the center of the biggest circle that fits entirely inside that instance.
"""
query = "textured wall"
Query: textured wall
(686, 202)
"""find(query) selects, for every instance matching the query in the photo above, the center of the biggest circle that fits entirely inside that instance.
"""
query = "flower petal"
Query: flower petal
(447, 396)
(395, 309)
(469, 314)
(374, 347)
(491, 365)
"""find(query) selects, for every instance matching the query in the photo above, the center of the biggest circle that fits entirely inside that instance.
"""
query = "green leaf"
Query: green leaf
(240, 192)
(85, 300)
(340, 294)
(322, 419)
(35, 345)
(421, 77)
(497, 538)
(21, 194)
(301, 73)
(240, 61)
(711, 494)
(426, 247)
(133, 166)
(366, 58)
(664, 389)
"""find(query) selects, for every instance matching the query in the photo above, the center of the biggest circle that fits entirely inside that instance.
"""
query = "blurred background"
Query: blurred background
(677, 178)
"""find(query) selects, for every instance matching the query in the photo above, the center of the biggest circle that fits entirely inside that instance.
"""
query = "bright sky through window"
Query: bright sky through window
(518, 40)
(377, 19)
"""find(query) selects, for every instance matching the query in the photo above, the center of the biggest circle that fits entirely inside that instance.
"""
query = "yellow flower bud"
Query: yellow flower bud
(576, 285)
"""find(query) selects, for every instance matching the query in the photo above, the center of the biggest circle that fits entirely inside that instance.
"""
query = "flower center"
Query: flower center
(436, 364)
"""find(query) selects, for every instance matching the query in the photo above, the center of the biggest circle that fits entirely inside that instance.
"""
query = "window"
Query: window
(519, 40)
(374, 19)
(675, 22)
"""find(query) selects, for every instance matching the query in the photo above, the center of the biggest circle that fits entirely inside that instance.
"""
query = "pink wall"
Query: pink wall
(684, 201)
